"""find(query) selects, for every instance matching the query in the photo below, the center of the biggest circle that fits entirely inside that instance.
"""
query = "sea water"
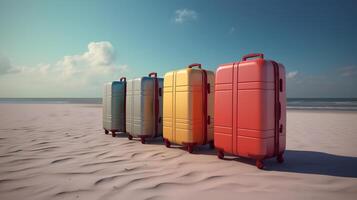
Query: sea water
(345, 104)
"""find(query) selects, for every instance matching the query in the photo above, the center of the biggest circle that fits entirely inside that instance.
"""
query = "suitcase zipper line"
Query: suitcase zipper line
(276, 107)
(124, 105)
(235, 107)
(204, 105)
(173, 117)
(131, 106)
(155, 106)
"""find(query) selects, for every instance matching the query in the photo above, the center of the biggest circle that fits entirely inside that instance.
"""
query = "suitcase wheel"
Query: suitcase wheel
(106, 131)
(130, 137)
(142, 139)
(167, 143)
(220, 154)
(113, 134)
(190, 148)
(280, 158)
(259, 164)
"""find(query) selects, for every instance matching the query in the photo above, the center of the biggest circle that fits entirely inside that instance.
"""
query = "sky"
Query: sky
(71, 48)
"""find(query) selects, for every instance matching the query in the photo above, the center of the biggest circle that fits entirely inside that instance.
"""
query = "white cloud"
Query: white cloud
(348, 71)
(183, 15)
(326, 83)
(44, 68)
(292, 74)
(73, 75)
(6, 67)
(98, 59)
(100, 53)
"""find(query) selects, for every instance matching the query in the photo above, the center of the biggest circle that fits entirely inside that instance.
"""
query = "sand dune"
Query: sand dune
(60, 152)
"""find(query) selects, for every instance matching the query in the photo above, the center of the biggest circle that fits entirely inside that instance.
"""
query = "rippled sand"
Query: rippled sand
(61, 152)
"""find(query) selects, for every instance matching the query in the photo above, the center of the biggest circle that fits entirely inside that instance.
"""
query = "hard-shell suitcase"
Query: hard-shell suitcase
(250, 109)
(114, 106)
(144, 107)
(188, 107)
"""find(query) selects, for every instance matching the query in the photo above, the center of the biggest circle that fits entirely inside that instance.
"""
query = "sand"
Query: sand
(61, 152)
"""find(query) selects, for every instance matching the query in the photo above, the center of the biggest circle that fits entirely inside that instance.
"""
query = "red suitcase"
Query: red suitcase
(250, 109)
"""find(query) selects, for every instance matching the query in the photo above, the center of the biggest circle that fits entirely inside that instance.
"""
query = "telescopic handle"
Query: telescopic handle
(153, 74)
(252, 55)
(195, 65)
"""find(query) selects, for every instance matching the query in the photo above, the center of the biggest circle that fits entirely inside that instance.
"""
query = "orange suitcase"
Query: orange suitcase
(250, 109)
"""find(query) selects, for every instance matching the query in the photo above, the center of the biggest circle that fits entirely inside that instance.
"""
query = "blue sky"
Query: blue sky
(70, 48)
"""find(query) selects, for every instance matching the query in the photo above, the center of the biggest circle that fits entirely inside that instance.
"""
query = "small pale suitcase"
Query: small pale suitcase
(114, 99)
(144, 107)
(250, 109)
(188, 107)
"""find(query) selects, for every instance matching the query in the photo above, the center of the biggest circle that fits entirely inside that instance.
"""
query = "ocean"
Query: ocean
(50, 100)
(343, 104)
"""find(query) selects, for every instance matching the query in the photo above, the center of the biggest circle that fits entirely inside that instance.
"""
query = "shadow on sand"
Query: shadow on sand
(312, 162)
(305, 162)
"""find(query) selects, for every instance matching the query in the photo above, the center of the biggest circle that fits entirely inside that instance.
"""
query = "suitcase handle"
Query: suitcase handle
(122, 79)
(153, 74)
(195, 65)
(252, 55)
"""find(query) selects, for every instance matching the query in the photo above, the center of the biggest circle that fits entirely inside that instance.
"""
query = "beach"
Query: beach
(60, 151)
